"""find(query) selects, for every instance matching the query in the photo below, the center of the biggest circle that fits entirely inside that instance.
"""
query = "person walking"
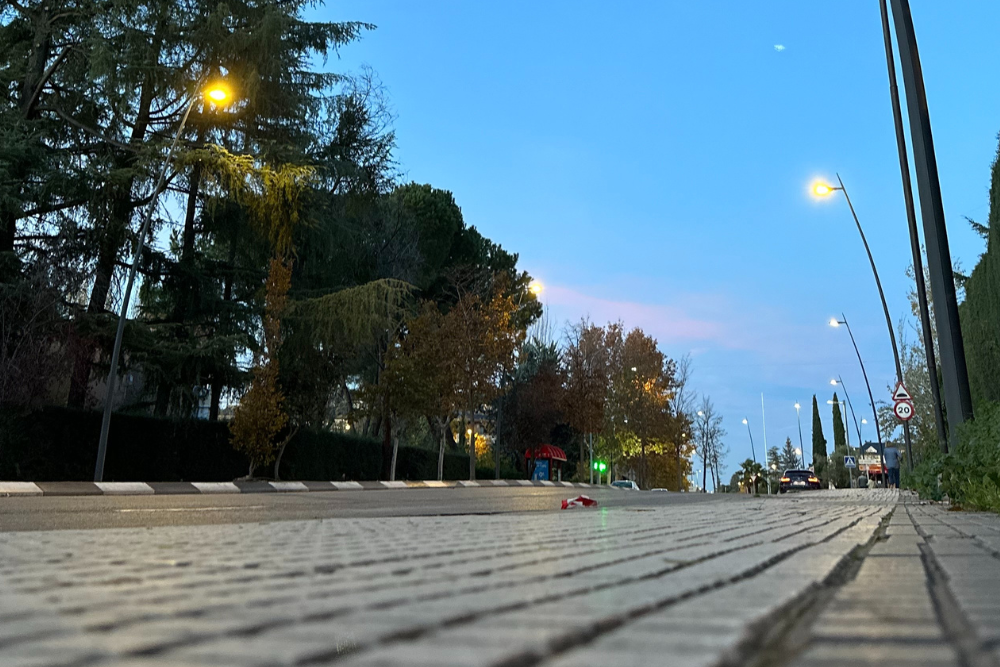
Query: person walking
(892, 465)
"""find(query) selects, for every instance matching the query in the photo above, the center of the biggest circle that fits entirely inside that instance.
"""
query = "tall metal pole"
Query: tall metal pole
(802, 447)
(847, 432)
(888, 317)
(102, 444)
(763, 421)
(957, 396)
(752, 450)
(878, 431)
(911, 222)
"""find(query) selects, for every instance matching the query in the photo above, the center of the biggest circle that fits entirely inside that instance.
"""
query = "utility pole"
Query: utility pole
(911, 222)
(957, 396)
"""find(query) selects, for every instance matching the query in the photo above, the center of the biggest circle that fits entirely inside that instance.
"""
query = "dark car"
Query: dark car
(799, 480)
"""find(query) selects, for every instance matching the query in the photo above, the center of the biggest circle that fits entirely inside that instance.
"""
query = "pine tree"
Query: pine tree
(788, 459)
(819, 446)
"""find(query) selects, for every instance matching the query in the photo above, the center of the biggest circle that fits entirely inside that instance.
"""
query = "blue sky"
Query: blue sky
(650, 162)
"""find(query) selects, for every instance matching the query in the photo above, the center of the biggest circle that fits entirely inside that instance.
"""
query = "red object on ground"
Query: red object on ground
(579, 501)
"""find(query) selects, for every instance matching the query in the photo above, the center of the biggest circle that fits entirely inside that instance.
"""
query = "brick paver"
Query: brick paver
(682, 585)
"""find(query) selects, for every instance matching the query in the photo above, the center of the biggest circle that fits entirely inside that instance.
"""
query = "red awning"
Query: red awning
(546, 452)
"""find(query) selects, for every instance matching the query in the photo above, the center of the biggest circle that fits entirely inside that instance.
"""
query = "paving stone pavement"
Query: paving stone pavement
(680, 585)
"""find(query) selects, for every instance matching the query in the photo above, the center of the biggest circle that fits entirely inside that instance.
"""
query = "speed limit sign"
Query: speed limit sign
(903, 410)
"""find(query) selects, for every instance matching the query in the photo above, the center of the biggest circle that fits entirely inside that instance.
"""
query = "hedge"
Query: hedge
(60, 444)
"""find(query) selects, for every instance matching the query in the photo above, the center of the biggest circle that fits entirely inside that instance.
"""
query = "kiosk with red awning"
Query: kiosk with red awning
(549, 461)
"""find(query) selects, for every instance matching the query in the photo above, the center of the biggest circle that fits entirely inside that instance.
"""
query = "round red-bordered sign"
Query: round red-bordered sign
(903, 410)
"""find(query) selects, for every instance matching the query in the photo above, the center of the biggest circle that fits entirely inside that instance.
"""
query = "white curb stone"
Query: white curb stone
(288, 486)
(435, 484)
(216, 487)
(348, 486)
(19, 489)
(466, 482)
(394, 485)
(125, 488)
(525, 482)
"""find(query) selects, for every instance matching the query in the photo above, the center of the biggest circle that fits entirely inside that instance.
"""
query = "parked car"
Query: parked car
(799, 480)
(626, 484)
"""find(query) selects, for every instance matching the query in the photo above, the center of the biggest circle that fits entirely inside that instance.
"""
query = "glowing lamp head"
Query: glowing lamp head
(821, 189)
(834, 322)
(217, 93)
(833, 382)
(744, 421)
(535, 288)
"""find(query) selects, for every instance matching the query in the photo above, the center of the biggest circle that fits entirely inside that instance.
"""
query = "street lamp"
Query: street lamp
(752, 451)
(836, 323)
(535, 287)
(218, 94)
(822, 190)
(802, 447)
(854, 416)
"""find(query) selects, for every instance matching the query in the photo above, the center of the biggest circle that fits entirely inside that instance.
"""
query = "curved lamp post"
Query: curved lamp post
(753, 452)
(824, 190)
(878, 432)
(802, 447)
(217, 94)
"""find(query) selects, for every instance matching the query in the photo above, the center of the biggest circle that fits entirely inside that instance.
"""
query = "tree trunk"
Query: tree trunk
(281, 452)
(444, 425)
(112, 237)
(386, 441)
(213, 407)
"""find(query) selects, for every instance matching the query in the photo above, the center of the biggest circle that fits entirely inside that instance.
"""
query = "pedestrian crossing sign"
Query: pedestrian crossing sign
(850, 462)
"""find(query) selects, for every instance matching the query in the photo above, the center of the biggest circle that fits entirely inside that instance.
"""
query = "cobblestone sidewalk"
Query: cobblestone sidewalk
(713, 583)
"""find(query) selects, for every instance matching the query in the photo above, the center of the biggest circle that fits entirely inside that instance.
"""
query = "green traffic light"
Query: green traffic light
(595, 465)
(603, 467)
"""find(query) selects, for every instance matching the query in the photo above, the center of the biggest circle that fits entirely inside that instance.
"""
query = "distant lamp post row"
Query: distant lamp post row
(834, 322)
(218, 94)
(824, 190)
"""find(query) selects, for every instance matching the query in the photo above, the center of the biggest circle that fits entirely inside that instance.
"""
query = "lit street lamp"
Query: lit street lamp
(823, 190)
(218, 94)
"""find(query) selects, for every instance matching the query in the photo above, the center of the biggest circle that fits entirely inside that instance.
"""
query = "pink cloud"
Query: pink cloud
(669, 324)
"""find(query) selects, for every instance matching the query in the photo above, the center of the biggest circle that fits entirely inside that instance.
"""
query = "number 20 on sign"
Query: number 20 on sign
(903, 410)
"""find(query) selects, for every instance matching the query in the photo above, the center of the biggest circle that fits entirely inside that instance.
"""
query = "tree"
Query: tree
(485, 339)
(750, 474)
(707, 432)
(788, 458)
(587, 367)
(818, 446)
(980, 312)
(838, 473)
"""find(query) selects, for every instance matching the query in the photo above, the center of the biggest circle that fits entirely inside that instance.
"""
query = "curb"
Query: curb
(177, 488)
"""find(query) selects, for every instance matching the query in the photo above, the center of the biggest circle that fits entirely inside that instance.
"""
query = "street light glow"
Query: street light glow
(834, 322)
(833, 382)
(702, 414)
(217, 93)
(535, 287)
(797, 406)
(744, 421)
(821, 189)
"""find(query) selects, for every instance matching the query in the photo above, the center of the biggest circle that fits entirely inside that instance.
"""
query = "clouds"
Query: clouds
(779, 47)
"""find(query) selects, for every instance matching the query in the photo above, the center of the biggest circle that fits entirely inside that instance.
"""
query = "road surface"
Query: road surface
(419, 578)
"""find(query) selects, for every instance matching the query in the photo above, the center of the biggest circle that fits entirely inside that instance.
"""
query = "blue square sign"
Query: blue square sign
(850, 462)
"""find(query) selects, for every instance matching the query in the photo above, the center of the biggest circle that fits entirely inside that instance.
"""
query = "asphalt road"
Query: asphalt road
(94, 512)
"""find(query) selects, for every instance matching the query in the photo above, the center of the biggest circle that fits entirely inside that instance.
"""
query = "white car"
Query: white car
(626, 484)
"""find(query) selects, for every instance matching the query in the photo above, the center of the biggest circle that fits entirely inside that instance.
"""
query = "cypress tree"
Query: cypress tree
(837, 472)
(819, 445)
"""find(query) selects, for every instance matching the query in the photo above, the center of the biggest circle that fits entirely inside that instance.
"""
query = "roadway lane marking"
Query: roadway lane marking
(189, 509)
(216, 487)
(125, 488)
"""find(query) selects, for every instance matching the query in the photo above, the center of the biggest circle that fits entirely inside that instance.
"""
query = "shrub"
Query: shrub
(60, 444)
(970, 472)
